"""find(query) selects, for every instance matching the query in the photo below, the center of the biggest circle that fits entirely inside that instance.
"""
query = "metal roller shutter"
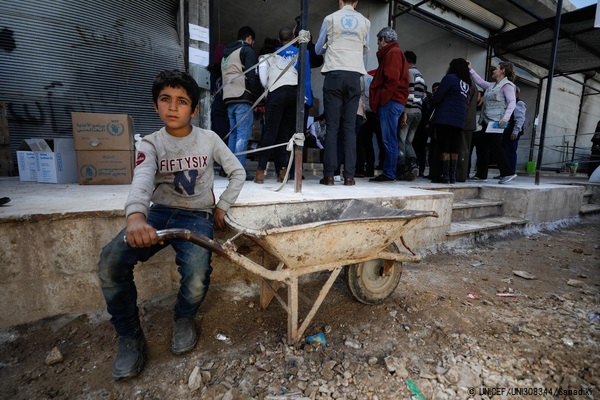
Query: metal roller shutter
(88, 56)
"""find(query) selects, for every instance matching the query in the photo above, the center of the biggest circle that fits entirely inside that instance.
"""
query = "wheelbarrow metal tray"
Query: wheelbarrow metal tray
(313, 233)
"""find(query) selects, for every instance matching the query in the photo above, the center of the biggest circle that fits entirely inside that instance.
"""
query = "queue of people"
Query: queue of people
(414, 128)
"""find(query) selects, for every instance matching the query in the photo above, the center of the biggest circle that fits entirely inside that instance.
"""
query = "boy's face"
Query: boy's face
(174, 107)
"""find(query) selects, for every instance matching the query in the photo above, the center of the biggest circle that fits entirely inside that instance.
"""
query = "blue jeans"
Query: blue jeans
(389, 114)
(406, 136)
(238, 140)
(118, 259)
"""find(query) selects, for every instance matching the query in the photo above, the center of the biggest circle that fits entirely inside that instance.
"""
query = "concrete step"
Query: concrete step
(465, 228)
(460, 192)
(469, 209)
(589, 208)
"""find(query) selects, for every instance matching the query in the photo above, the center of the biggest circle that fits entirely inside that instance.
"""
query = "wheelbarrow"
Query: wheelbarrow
(317, 236)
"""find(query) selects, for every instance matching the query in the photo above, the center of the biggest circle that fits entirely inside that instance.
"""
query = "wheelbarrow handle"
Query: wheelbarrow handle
(196, 238)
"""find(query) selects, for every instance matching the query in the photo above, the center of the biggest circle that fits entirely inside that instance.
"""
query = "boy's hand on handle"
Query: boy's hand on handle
(139, 233)
(219, 218)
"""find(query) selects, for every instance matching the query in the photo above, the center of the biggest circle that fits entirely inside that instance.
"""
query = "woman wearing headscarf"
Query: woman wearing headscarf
(499, 102)
(449, 104)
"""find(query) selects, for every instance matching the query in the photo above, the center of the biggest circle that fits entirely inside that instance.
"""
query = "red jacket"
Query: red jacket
(391, 78)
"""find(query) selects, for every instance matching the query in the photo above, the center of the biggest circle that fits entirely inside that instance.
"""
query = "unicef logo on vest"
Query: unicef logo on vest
(349, 22)
(115, 128)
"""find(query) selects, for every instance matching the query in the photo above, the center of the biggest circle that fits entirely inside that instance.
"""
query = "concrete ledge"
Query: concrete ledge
(49, 256)
(464, 228)
(51, 235)
(543, 204)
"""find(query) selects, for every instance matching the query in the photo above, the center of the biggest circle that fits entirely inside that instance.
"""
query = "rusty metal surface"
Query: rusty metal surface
(323, 232)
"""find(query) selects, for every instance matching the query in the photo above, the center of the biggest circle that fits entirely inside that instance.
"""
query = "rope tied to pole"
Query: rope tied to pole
(303, 36)
(298, 140)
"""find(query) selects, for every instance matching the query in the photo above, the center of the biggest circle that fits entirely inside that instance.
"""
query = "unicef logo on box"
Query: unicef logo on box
(88, 172)
(115, 128)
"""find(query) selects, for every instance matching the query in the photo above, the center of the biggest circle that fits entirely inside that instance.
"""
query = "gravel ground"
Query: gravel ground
(513, 317)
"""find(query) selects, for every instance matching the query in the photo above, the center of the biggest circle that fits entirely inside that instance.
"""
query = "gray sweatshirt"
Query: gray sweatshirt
(178, 172)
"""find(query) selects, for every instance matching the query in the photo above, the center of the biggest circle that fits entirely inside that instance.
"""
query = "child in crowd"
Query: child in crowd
(172, 188)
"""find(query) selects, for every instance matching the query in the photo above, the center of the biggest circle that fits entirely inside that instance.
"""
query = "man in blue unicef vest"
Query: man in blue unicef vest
(343, 39)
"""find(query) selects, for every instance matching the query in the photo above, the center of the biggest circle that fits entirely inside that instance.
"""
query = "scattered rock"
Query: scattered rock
(55, 356)
(353, 343)
(524, 275)
(195, 379)
(575, 283)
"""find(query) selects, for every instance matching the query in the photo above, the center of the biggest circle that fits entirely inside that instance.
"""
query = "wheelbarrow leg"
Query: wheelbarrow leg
(294, 333)
(292, 303)
(268, 289)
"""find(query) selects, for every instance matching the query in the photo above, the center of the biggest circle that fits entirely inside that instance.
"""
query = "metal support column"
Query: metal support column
(298, 150)
(559, 4)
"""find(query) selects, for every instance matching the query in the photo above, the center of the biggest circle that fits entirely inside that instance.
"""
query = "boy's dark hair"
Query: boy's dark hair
(410, 57)
(176, 79)
(244, 32)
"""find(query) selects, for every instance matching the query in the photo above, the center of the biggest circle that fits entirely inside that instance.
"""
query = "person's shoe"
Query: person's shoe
(349, 182)
(477, 179)
(4, 201)
(409, 176)
(359, 175)
(260, 176)
(506, 179)
(184, 335)
(326, 180)
(440, 179)
(130, 357)
(282, 174)
(381, 178)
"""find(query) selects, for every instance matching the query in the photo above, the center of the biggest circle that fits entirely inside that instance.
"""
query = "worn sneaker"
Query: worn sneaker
(130, 358)
(184, 336)
(506, 179)
(381, 178)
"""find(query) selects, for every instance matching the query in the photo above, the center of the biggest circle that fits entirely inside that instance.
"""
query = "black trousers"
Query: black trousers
(491, 143)
(341, 93)
(280, 124)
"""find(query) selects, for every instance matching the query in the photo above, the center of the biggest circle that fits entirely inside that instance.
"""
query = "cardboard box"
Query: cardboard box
(105, 167)
(93, 131)
(313, 155)
(47, 160)
(105, 148)
(26, 160)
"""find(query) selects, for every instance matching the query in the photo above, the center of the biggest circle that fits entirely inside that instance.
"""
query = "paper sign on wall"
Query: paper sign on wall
(198, 56)
(199, 33)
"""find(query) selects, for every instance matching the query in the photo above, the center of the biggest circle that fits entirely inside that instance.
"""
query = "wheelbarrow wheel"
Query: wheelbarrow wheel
(373, 281)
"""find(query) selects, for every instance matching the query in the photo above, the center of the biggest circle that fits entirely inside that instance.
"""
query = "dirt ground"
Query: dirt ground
(431, 338)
